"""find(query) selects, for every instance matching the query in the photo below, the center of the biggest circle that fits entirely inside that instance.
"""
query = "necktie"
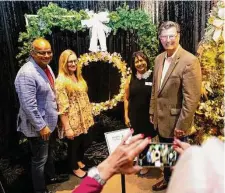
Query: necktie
(49, 75)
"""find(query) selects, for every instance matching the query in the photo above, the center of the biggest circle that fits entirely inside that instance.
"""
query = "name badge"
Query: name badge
(148, 83)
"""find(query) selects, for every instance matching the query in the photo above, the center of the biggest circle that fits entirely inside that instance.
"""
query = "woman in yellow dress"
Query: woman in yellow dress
(75, 109)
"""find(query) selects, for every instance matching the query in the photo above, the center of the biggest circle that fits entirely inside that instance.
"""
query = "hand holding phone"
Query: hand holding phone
(158, 155)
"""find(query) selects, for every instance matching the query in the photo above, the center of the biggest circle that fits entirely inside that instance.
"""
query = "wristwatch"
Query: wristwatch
(94, 173)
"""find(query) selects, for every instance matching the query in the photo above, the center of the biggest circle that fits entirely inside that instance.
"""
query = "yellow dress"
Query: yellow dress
(76, 105)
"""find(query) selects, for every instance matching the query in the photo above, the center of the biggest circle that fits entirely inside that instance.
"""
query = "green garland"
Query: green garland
(137, 21)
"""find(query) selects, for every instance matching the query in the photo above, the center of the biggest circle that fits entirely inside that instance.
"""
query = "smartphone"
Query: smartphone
(158, 155)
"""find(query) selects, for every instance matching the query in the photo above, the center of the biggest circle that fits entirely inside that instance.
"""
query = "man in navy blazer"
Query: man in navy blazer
(38, 114)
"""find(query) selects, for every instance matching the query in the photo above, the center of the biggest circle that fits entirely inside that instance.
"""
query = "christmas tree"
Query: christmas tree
(209, 119)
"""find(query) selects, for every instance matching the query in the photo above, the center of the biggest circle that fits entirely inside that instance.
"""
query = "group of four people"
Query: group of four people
(162, 103)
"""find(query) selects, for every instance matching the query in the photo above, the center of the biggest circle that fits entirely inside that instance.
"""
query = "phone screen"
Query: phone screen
(158, 155)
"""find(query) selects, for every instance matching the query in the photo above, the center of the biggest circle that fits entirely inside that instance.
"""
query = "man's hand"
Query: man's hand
(45, 133)
(179, 133)
(151, 119)
(69, 134)
(180, 146)
(121, 160)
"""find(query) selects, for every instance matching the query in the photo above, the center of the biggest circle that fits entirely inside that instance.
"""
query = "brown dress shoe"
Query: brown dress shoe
(161, 185)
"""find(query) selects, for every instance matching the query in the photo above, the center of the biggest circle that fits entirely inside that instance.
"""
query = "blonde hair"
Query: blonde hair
(64, 74)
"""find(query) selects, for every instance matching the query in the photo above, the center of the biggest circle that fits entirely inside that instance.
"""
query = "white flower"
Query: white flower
(221, 13)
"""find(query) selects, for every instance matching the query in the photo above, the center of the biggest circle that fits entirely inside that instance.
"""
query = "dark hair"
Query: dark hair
(167, 25)
(134, 55)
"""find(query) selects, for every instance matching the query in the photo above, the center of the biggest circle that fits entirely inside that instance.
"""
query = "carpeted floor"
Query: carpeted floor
(134, 183)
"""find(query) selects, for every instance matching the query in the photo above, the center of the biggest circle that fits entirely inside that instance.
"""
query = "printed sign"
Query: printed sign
(114, 138)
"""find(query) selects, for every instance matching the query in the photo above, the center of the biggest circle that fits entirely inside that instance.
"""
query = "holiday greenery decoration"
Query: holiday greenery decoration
(117, 62)
(210, 114)
(136, 21)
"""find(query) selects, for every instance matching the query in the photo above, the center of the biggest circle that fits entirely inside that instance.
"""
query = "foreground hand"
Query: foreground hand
(179, 133)
(69, 134)
(180, 146)
(45, 133)
(121, 160)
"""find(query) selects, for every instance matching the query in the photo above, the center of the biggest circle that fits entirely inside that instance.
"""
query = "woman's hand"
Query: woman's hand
(127, 122)
(151, 118)
(69, 134)
(180, 146)
(122, 159)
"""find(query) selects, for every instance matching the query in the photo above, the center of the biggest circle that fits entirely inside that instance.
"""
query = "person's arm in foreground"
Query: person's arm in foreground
(120, 161)
(199, 168)
(180, 146)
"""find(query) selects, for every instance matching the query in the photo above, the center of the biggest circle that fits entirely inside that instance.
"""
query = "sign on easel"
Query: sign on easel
(114, 138)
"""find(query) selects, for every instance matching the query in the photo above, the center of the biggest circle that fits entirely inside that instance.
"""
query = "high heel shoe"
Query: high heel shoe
(81, 177)
(144, 171)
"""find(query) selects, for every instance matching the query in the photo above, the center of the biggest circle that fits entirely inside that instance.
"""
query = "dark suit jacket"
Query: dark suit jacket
(174, 104)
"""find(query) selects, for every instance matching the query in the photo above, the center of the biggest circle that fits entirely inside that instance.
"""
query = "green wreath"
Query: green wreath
(137, 21)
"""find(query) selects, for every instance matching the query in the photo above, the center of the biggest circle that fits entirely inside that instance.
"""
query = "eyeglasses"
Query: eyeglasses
(70, 62)
(43, 53)
(171, 37)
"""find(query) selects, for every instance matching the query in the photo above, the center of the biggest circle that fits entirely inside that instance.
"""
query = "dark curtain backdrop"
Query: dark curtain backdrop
(192, 17)
(103, 80)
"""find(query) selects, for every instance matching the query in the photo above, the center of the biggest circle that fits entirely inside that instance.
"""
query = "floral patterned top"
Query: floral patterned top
(76, 104)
